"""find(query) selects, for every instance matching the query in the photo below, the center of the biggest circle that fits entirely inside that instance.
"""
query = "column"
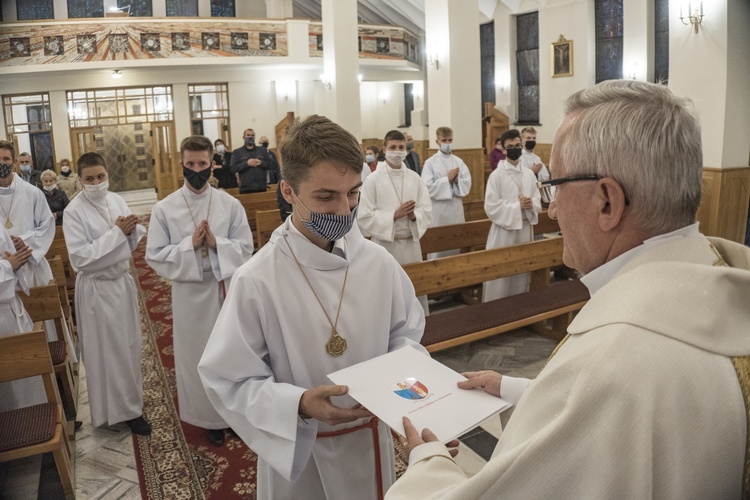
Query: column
(279, 9)
(454, 82)
(341, 64)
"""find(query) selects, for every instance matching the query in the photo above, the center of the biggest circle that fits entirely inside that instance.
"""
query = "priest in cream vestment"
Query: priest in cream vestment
(280, 332)
(200, 274)
(645, 397)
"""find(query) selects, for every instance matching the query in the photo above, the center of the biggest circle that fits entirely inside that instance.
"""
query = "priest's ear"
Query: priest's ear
(286, 192)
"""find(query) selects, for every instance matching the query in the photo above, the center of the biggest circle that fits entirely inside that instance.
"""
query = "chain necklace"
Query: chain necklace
(8, 223)
(204, 248)
(403, 181)
(107, 221)
(336, 344)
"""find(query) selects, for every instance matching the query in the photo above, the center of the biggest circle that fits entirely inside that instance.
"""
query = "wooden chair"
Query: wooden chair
(37, 429)
(42, 304)
(58, 274)
(266, 222)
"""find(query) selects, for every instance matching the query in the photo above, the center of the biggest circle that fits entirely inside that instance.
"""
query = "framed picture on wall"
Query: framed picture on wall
(561, 57)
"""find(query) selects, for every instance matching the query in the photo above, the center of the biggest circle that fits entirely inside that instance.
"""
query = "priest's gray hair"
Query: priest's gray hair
(647, 139)
(313, 140)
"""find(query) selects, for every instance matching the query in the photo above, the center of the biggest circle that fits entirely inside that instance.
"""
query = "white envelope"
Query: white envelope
(409, 383)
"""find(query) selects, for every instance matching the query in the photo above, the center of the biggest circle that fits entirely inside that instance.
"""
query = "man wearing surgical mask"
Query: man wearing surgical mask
(252, 163)
(197, 239)
(318, 297)
(26, 166)
(395, 208)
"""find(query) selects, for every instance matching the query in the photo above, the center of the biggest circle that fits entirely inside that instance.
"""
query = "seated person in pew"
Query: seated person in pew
(14, 319)
(198, 237)
(280, 332)
(512, 203)
(395, 208)
(101, 234)
(644, 397)
(448, 180)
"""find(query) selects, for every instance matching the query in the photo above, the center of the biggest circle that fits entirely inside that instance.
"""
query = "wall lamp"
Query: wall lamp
(117, 74)
(694, 17)
(433, 59)
(325, 81)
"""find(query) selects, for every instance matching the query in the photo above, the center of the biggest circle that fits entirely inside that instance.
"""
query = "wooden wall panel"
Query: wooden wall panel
(724, 202)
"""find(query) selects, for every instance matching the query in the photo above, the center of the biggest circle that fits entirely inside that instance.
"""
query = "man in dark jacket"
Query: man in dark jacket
(252, 164)
(27, 170)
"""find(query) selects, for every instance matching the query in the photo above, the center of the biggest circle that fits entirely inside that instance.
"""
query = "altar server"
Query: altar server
(317, 298)
(448, 180)
(512, 203)
(101, 234)
(395, 207)
(197, 238)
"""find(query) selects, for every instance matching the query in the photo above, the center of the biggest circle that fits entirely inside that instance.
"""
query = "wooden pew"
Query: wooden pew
(266, 222)
(254, 202)
(472, 235)
(544, 301)
(474, 210)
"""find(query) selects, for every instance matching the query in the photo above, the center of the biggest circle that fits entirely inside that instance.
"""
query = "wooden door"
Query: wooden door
(166, 158)
(82, 140)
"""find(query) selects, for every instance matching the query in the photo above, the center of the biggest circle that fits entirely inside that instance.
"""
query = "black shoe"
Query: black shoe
(77, 425)
(215, 436)
(139, 426)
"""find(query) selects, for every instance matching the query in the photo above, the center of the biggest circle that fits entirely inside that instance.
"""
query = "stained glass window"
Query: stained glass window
(79, 9)
(28, 10)
(661, 41)
(608, 27)
(527, 67)
(487, 61)
(182, 8)
(138, 8)
(222, 8)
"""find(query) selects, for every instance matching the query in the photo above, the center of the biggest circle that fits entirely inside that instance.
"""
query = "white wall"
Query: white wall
(378, 117)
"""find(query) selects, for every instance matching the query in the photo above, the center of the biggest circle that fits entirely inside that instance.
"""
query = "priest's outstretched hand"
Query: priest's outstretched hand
(488, 380)
(316, 403)
(413, 439)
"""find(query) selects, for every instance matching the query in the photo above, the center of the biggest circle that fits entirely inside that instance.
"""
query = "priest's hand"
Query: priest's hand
(209, 236)
(405, 210)
(19, 258)
(453, 174)
(18, 243)
(316, 403)
(413, 439)
(487, 379)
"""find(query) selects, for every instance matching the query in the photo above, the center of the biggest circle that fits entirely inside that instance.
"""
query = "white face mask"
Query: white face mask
(395, 157)
(445, 148)
(49, 188)
(65, 168)
(220, 149)
(96, 190)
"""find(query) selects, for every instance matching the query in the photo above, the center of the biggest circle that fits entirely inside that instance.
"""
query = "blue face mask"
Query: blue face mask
(329, 227)
(26, 168)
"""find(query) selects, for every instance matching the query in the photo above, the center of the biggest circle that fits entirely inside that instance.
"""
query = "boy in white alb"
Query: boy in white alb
(512, 203)
(317, 298)
(448, 180)
(197, 238)
(101, 234)
(395, 207)
(529, 159)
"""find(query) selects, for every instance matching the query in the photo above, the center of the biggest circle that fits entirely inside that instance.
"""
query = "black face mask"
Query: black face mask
(196, 179)
(264, 144)
(513, 153)
(250, 142)
(5, 170)
(65, 174)
(530, 145)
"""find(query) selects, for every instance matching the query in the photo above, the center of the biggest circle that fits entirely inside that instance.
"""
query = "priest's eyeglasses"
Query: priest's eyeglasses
(548, 187)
